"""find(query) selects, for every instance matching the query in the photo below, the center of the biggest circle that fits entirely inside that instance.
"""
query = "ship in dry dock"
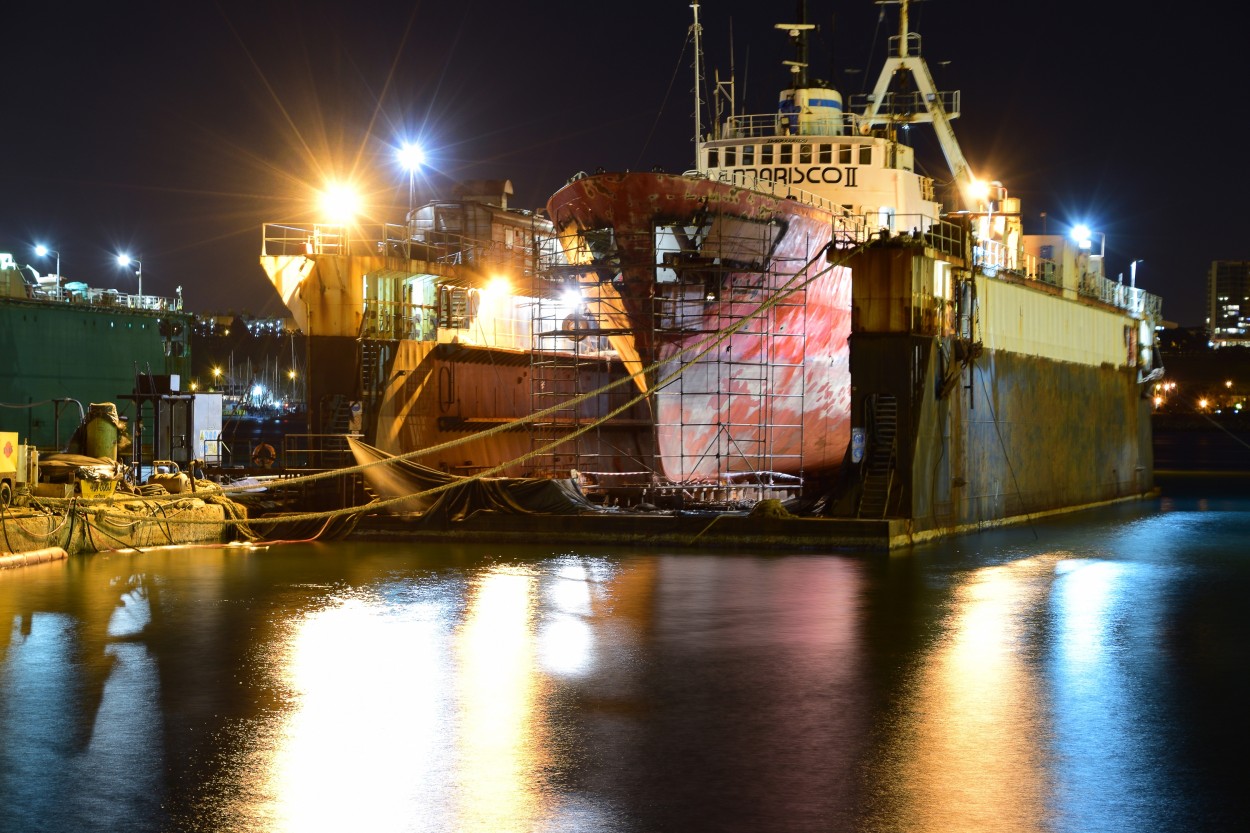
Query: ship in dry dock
(806, 301)
(803, 314)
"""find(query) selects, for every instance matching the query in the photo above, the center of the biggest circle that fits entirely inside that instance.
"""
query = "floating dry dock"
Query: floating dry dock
(767, 527)
(36, 536)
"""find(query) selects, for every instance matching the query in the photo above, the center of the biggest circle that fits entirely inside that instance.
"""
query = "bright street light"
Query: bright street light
(412, 157)
(340, 203)
(1084, 238)
(126, 260)
(44, 251)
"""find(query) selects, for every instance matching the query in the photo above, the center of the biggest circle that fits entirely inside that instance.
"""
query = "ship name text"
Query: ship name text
(815, 175)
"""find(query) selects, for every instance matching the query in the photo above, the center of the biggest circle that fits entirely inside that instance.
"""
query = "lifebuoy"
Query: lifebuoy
(576, 326)
(264, 456)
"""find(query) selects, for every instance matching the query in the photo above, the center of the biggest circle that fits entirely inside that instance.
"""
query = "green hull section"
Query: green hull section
(57, 356)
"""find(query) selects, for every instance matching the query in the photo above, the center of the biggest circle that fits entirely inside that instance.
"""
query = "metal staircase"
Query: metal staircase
(371, 361)
(878, 477)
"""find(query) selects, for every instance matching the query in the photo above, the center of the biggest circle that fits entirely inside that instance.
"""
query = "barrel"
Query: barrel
(101, 433)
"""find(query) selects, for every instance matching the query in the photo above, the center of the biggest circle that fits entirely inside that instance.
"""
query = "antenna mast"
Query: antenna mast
(798, 36)
(698, 80)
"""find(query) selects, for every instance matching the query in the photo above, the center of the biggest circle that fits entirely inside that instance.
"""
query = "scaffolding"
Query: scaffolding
(573, 357)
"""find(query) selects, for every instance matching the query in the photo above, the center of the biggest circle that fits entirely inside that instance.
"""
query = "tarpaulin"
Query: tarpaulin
(436, 494)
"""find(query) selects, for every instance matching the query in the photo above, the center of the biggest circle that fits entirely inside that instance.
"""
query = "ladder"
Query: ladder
(878, 476)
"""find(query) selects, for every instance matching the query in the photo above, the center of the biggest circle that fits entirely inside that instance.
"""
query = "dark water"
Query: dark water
(1202, 442)
(1091, 673)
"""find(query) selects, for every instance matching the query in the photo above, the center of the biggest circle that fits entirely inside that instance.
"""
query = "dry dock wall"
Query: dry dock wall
(1009, 399)
(1015, 434)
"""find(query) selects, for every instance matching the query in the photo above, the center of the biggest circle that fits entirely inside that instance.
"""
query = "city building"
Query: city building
(1228, 303)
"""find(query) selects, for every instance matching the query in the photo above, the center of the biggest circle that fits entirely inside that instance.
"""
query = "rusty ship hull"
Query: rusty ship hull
(727, 306)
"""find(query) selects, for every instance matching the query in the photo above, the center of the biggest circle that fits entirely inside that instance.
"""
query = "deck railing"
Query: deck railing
(393, 240)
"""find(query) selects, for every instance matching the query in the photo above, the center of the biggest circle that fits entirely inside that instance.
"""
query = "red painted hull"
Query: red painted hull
(728, 298)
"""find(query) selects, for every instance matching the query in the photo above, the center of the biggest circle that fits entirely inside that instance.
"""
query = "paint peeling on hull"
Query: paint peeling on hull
(772, 390)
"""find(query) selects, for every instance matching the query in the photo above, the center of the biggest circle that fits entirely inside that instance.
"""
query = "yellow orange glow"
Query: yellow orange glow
(345, 686)
(501, 705)
(977, 718)
(340, 203)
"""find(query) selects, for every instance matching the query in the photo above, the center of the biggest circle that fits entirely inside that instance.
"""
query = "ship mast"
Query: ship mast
(798, 34)
(697, 31)
(902, 60)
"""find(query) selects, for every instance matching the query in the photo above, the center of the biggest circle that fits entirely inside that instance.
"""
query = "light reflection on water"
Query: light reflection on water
(1077, 675)
(968, 747)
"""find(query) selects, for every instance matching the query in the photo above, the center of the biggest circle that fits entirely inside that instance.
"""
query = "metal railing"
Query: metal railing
(278, 239)
(849, 128)
(993, 258)
(393, 240)
(74, 293)
(317, 452)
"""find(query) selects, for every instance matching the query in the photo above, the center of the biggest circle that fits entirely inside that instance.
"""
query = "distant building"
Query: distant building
(1228, 302)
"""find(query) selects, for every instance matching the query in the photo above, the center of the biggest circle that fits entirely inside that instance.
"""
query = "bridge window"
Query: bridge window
(865, 154)
(787, 154)
(825, 154)
(731, 157)
(748, 154)
(805, 154)
(844, 154)
(713, 158)
(766, 155)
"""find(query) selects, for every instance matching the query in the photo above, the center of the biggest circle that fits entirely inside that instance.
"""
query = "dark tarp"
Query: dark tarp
(462, 497)
(63, 468)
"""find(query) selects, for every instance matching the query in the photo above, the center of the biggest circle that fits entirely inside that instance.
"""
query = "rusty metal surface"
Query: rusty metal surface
(776, 393)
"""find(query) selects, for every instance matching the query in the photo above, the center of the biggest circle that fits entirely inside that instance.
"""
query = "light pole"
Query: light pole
(1132, 272)
(44, 251)
(412, 157)
(126, 260)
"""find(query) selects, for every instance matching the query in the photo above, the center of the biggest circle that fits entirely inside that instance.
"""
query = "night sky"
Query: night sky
(173, 131)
